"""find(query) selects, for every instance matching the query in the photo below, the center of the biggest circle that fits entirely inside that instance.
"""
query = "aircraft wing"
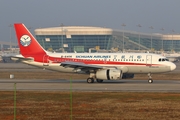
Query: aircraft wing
(82, 66)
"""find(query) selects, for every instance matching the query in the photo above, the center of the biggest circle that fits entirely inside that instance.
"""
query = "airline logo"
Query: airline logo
(25, 40)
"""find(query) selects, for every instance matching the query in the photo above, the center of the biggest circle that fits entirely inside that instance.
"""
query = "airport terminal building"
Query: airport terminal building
(85, 39)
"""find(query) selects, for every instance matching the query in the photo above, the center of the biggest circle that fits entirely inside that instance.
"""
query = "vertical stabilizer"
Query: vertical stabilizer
(28, 45)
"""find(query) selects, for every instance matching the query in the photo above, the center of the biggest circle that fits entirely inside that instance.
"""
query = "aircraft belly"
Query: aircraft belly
(125, 69)
(148, 69)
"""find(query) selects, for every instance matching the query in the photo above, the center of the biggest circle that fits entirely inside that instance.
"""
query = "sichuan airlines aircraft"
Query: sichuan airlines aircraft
(99, 66)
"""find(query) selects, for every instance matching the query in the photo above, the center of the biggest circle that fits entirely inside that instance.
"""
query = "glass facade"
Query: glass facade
(158, 44)
(81, 39)
(72, 43)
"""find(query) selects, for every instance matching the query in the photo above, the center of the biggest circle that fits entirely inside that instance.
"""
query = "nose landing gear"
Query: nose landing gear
(150, 78)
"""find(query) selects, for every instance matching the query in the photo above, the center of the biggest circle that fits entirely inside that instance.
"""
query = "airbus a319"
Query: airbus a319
(99, 66)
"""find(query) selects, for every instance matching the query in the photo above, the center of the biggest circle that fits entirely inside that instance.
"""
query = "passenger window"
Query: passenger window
(159, 59)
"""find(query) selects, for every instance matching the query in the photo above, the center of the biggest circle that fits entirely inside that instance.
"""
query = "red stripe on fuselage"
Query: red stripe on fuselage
(90, 61)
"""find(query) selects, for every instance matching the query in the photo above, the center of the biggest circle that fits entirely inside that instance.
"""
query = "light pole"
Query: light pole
(10, 26)
(172, 38)
(62, 36)
(162, 38)
(124, 25)
(151, 35)
(139, 34)
(64, 32)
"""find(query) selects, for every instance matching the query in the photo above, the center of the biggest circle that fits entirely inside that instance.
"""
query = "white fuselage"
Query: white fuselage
(127, 62)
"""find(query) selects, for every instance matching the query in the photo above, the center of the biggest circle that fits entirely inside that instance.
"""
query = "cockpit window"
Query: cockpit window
(163, 59)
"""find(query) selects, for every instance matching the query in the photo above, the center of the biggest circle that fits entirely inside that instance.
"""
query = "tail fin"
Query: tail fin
(27, 43)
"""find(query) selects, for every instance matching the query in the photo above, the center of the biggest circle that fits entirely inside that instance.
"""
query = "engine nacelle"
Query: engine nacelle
(127, 76)
(109, 74)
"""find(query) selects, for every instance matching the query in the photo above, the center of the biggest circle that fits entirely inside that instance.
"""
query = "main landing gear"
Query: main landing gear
(91, 80)
(150, 78)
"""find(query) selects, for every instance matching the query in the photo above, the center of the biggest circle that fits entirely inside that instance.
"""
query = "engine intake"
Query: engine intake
(109, 74)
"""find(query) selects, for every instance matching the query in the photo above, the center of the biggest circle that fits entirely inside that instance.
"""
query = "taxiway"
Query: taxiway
(82, 85)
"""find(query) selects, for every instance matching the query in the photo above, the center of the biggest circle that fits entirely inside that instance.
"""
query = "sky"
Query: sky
(101, 13)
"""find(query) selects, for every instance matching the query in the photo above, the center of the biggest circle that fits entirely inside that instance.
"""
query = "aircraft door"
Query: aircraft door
(148, 60)
(46, 60)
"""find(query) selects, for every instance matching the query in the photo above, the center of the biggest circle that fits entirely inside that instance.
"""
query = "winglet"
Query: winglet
(27, 43)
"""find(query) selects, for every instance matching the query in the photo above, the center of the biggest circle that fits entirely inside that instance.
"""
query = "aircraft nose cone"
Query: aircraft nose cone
(173, 66)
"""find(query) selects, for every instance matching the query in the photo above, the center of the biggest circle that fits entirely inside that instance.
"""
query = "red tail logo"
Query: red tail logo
(28, 45)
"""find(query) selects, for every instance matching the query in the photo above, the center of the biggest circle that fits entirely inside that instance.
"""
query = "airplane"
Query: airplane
(173, 57)
(6, 57)
(99, 66)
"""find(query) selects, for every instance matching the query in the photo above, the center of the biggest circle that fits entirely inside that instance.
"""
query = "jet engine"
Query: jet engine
(109, 74)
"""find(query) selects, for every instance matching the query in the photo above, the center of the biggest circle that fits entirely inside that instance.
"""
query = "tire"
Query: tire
(90, 80)
(150, 81)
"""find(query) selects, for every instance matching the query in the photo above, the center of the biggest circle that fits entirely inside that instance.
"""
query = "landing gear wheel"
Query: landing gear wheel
(90, 80)
(150, 81)
(150, 78)
(99, 81)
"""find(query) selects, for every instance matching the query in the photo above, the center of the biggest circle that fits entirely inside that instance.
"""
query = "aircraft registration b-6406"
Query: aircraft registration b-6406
(99, 66)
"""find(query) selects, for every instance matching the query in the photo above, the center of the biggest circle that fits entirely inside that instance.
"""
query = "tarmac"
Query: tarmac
(82, 85)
